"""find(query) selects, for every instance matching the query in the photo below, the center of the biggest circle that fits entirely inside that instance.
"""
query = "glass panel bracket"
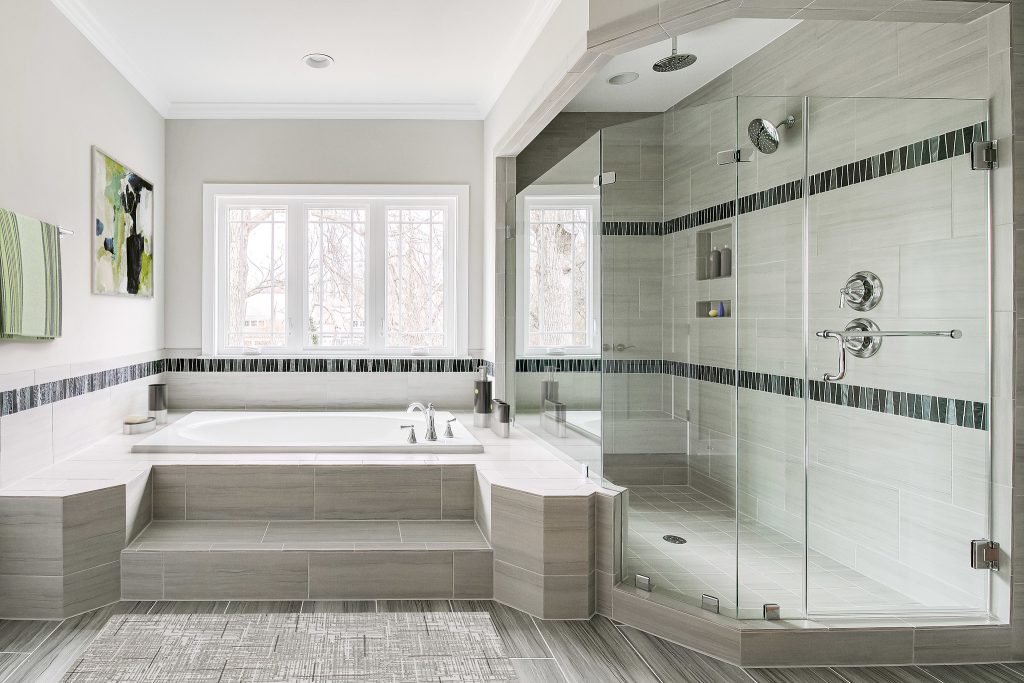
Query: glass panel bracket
(985, 555)
(984, 155)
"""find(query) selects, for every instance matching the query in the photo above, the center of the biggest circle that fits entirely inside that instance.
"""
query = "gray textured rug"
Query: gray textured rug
(431, 646)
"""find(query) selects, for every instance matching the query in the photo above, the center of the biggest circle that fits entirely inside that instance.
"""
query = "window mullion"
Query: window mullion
(296, 284)
(376, 240)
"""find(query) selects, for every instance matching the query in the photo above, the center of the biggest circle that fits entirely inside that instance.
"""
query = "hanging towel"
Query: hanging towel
(30, 278)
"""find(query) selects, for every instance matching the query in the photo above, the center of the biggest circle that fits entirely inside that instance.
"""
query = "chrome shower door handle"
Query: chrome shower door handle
(829, 334)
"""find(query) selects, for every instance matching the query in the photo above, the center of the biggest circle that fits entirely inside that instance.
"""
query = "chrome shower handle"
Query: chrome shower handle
(412, 432)
(829, 334)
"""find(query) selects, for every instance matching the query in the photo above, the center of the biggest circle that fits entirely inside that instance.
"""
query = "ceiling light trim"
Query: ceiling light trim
(87, 24)
(276, 110)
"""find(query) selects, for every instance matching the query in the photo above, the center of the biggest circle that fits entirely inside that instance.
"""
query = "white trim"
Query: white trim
(311, 110)
(457, 197)
(82, 19)
(559, 194)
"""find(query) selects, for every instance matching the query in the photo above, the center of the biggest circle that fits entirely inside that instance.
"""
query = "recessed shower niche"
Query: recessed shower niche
(714, 252)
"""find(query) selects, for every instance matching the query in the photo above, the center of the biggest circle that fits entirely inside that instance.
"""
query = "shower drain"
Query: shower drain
(678, 540)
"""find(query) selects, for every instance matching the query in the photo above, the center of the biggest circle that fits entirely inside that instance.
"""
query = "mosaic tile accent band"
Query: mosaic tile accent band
(951, 411)
(631, 228)
(559, 364)
(37, 395)
(938, 148)
(26, 398)
(326, 364)
(264, 648)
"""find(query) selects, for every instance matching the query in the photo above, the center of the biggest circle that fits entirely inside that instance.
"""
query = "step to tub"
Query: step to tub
(298, 560)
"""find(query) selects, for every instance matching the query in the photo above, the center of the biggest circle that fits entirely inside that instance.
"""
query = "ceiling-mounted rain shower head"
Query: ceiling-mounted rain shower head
(674, 62)
(765, 135)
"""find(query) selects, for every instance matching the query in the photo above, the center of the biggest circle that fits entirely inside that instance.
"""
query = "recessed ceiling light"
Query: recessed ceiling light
(318, 60)
(624, 78)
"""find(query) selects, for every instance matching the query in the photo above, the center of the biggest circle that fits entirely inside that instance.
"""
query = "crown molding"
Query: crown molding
(83, 20)
(284, 110)
(526, 35)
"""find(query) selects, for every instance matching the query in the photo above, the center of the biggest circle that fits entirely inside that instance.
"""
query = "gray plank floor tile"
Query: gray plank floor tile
(413, 606)
(327, 531)
(517, 630)
(264, 607)
(538, 671)
(189, 607)
(440, 532)
(134, 606)
(974, 673)
(9, 662)
(339, 606)
(594, 651)
(24, 636)
(61, 649)
(668, 660)
(810, 675)
(884, 674)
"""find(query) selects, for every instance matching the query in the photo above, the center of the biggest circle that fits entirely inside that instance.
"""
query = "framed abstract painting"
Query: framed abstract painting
(122, 220)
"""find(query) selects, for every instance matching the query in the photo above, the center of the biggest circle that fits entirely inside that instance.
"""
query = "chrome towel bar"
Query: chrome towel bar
(865, 343)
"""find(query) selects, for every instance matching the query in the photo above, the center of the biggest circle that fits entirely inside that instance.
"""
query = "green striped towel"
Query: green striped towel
(30, 278)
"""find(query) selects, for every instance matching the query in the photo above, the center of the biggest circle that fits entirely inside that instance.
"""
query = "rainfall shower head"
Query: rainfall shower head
(674, 62)
(765, 135)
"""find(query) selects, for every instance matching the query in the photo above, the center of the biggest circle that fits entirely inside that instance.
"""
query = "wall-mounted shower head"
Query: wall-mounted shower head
(675, 61)
(765, 134)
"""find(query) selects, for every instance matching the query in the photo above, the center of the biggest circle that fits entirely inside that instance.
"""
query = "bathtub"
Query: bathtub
(305, 432)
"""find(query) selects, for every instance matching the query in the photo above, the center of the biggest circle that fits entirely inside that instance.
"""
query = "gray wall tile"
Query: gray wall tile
(235, 575)
(249, 492)
(400, 574)
(378, 492)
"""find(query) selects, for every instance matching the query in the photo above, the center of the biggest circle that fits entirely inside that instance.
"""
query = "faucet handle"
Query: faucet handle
(448, 429)
(412, 432)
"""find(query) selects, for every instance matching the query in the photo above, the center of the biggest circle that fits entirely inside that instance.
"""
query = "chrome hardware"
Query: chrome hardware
(606, 178)
(428, 413)
(617, 347)
(772, 612)
(412, 433)
(985, 554)
(863, 339)
(862, 292)
(735, 156)
(448, 429)
(644, 583)
(709, 602)
(984, 155)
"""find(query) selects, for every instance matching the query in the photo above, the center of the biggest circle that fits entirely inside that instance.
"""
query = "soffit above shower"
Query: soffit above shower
(718, 48)
(440, 59)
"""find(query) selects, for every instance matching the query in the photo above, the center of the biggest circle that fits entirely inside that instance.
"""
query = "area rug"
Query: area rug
(321, 648)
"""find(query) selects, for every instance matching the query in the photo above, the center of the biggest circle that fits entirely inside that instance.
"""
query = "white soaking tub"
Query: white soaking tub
(305, 432)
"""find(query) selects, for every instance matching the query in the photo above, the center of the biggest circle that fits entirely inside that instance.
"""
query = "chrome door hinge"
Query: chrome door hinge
(606, 178)
(985, 554)
(735, 156)
(984, 155)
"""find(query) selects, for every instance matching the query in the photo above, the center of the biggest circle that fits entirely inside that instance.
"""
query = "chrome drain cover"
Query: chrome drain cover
(678, 540)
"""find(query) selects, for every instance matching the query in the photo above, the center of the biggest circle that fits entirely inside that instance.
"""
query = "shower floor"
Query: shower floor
(770, 568)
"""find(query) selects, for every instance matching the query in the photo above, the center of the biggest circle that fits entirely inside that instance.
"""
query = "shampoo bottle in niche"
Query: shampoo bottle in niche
(548, 386)
(715, 264)
(482, 387)
(726, 261)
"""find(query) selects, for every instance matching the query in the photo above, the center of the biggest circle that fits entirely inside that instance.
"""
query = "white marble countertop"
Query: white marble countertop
(522, 462)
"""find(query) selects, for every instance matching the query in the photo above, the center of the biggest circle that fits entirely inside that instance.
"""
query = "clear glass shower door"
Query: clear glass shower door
(898, 459)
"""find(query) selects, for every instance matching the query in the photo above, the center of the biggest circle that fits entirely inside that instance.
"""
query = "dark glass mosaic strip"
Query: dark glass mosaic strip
(631, 228)
(773, 384)
(920, 153)
(780, 194)
(633, 367)
(559, 364)
(713, 214)
(326, 364)
(26, 398)
(951, 411)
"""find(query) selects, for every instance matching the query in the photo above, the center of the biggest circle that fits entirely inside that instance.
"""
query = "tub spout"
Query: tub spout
(428, 413)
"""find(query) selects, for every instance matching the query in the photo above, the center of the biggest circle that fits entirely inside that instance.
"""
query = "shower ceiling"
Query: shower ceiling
(718, 48)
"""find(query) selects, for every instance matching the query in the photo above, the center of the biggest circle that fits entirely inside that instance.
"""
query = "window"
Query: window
(335, 270)
(558, 274)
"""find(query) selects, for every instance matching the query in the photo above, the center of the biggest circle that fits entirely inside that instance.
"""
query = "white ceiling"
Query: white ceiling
(394, 58)
(718, 47)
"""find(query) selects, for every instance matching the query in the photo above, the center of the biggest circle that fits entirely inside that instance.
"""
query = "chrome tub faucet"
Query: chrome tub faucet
(428, 413)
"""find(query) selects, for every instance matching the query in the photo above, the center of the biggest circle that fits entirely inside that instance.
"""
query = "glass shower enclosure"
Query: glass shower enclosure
(794, 354)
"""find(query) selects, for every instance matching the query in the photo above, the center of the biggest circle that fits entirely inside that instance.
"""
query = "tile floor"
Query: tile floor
(595, 651)
(770, 567)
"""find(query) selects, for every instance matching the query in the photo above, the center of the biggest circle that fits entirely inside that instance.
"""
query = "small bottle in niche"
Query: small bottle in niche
(726, 261)
(715, 265)
(721, 309)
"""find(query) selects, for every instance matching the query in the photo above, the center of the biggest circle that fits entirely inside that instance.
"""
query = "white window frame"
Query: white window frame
(217, 198)
(553, 196)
